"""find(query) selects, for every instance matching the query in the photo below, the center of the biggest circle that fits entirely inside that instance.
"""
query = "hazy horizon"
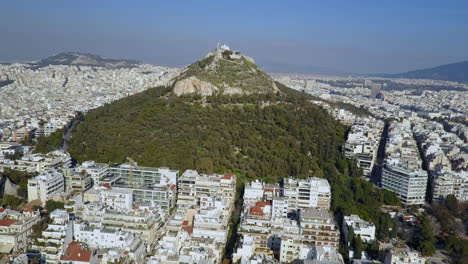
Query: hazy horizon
(343, 37)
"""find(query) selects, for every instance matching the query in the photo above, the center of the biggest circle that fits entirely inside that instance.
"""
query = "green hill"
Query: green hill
(267, 136)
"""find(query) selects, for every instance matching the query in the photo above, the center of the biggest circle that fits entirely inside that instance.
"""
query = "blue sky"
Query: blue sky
(344, 36)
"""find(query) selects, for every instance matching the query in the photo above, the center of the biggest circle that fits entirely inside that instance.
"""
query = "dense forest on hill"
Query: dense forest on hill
(262, 136)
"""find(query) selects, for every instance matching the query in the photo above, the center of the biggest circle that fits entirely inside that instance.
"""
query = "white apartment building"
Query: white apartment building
(54, 239)
(102, 237)
(253, 192)
(150, 185)
(258, 191)
(163, 196)
(77, 181)
(116, 198)
(15, 227)
(97, 171)
(312, 192)
(212, 219)
(403, 255)
(364, 229)
(134, 175)
(363, 142)
(319, 228)
(455, 183)
(409, 185)
(144, 221)
(45, 186)
(280, 207)
(191, 185)
(290, 249)
(320, 254)
(249, 253)
(42, 162)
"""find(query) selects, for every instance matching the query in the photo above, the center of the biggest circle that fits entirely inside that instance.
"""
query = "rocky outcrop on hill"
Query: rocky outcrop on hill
(7, 187)
(194, 85)
(223, 72)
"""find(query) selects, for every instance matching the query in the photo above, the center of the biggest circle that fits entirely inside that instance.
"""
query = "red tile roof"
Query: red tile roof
(263, 204)
(227, 177)
(74, 252)
(2, 210)
(7, 222)
(106, 185)
(188, 229)
(256, 210)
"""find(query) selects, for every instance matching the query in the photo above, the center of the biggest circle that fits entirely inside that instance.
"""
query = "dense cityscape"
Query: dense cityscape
(108, 213)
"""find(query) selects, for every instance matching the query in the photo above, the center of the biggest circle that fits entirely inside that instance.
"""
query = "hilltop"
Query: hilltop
(84, 59)
(455, 72)
(223, 72)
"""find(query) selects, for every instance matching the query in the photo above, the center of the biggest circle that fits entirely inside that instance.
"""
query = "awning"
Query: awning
(6, 248)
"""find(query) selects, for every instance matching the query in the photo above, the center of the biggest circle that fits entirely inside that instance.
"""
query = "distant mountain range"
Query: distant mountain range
(455, 72)
(84, 59)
